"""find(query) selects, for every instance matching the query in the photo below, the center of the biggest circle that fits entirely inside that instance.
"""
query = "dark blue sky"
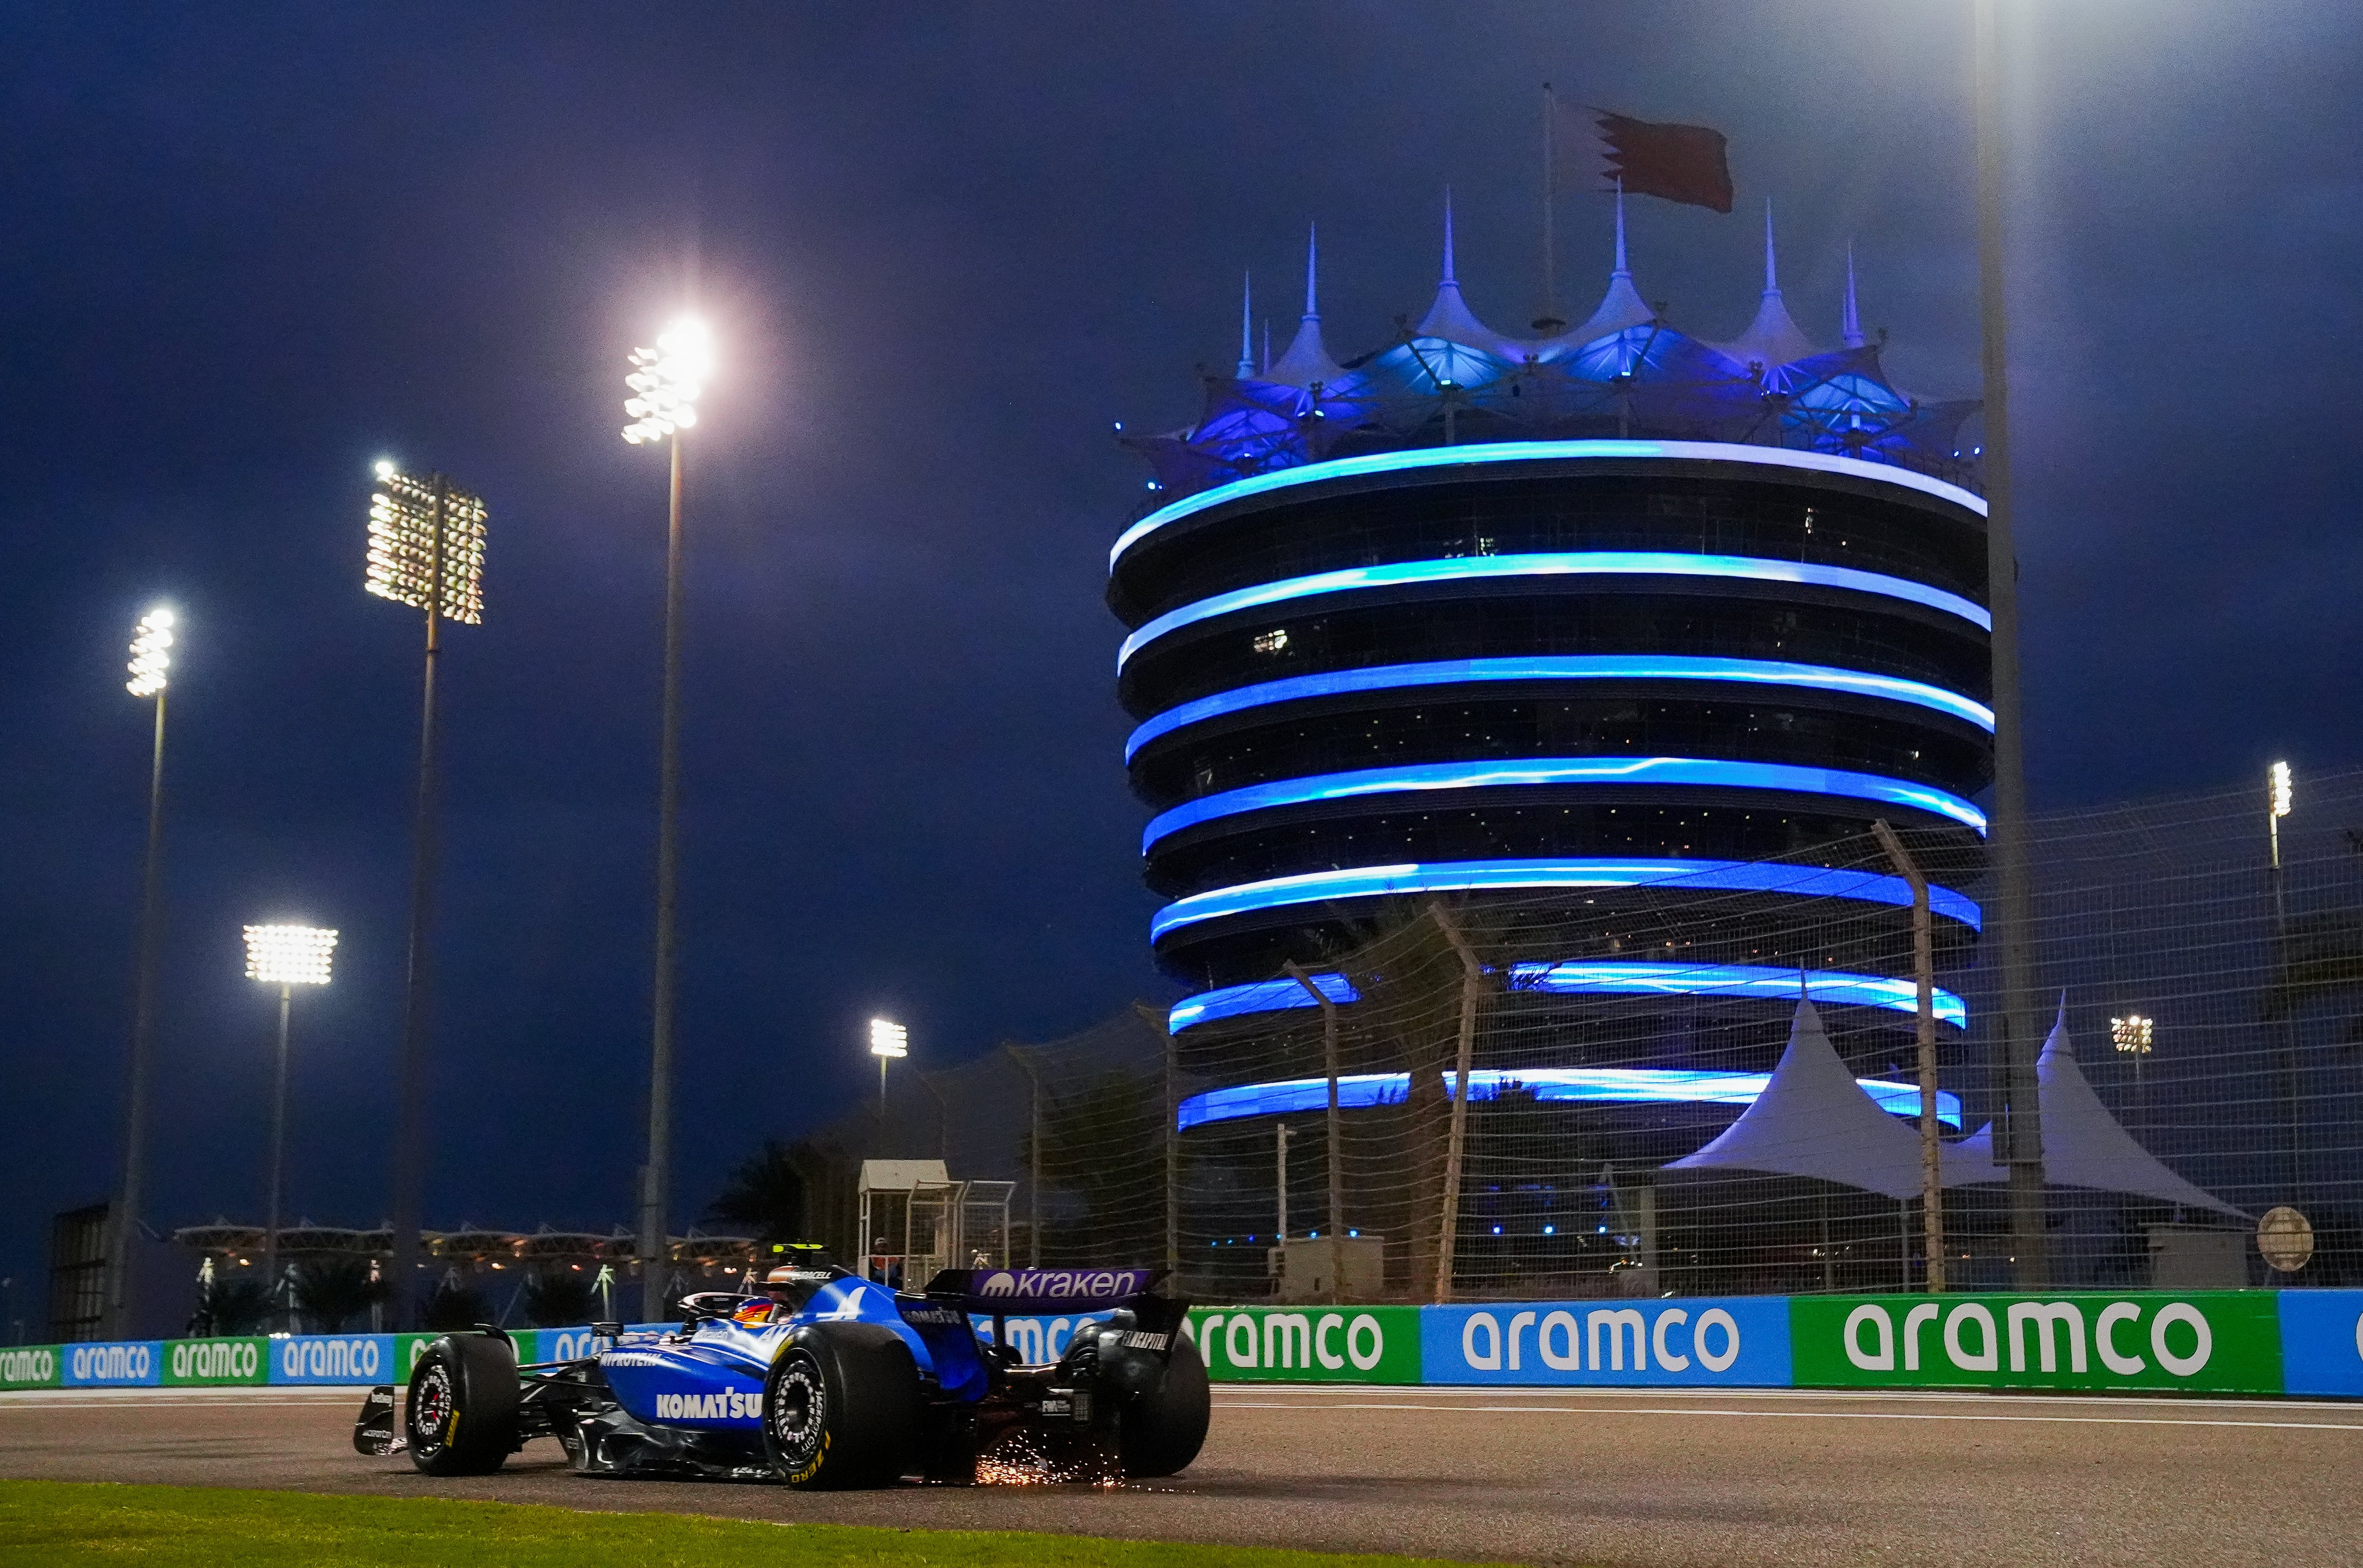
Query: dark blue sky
(244, 251)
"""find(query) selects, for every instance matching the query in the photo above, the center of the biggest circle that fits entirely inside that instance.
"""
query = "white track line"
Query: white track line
(1790, 1415)
(1918, 1396)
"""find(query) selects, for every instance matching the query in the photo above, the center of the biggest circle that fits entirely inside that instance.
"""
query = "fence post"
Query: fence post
(1471, 974)
(1924, 971)
(1033, 1157)
(1336, 1217)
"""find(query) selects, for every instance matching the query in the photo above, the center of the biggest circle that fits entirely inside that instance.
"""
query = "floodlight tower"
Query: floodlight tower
(150, 666)
(666, 382)
(889, 1041)
(2279, 793)
(285, 956)
(425, 551)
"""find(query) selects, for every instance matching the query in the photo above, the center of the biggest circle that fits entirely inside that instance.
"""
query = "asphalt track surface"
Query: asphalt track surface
(1599, 1476)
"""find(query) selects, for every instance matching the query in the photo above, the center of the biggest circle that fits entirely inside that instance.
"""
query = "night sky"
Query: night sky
(246, 251)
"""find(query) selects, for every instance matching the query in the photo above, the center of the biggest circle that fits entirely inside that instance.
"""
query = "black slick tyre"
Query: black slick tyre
(461, 1413)
(841, 1407)
(1164, 1428)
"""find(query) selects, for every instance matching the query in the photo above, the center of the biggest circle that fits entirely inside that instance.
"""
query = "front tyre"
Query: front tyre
(461, 1413)
(1164, 1428)
(841, 1406)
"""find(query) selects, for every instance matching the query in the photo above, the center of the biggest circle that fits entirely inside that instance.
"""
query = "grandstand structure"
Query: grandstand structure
(1618, 641)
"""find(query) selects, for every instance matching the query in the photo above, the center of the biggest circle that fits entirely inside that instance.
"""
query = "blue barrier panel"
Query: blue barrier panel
(115, 1364)
(333, 1358)
(1728, 1341)
(1035, 1338)
(2322, 1342)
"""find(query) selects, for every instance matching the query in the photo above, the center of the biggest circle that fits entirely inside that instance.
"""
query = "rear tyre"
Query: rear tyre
(841, 1406)
(462, 1414)
(1164, 1428)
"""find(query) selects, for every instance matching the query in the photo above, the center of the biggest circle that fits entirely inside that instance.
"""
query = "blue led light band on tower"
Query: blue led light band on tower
(1543, 771)
(1596, 1085)
(1569, 667)
(1606, 977)
(1538, 452)
(1552, 563)
(1532, 875)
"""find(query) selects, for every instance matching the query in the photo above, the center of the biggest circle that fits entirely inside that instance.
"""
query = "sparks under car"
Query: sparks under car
(823, 1379)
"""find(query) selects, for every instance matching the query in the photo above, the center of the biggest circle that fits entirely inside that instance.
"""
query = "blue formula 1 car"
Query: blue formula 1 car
(820, 1378)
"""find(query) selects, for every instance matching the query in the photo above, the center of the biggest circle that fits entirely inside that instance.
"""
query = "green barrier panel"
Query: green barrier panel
(1314, 1344)
(2219, 1341)
(201, 1363)
(30, 1366)
(408, 1348)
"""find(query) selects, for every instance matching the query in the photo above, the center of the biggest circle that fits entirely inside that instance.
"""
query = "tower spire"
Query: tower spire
(1247, 326)
(1772, 340)
(1307, 360)
(1313, 271)
(1448, 278)
(1622, 270)
(1850, 319)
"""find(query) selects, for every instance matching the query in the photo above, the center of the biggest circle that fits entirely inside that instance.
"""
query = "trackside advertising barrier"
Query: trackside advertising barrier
(2322, 1342)
(1737, 1341)
(1313, 1344)
(2306, 1343)
(2218, 1341)
(203, 1363)
(30, 1366)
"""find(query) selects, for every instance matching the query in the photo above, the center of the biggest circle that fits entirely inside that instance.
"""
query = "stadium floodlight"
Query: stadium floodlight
(427, 545)
(889, 1041)
(152, 656)
(2278, 796)
(425, 551)
(150, 670)
(289, 955)
(2131, 1034)
(666, 382)
(285, 956)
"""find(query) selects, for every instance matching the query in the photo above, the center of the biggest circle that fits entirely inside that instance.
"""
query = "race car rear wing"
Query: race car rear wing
(1004, 1291)
(1151, 1320)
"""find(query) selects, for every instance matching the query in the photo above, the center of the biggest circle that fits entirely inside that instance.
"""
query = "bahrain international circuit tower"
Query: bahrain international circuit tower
(1600, 628)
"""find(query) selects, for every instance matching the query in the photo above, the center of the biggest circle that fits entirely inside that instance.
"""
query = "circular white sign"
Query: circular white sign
(2285, 1237)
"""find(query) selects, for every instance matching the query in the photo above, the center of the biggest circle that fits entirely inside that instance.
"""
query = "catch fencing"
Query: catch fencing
(2211, 1001)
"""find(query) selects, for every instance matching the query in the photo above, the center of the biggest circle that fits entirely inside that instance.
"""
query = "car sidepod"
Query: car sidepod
(712, 1380)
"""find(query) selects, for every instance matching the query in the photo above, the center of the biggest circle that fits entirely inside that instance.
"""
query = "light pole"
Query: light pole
(2009, 922)
(889, 1041)
(2279, 793)
(285, 956)
(2131, 1035)
(151, 662)
(425, 551)
(666, 382)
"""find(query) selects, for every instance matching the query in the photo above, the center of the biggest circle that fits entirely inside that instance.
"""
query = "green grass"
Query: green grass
(61, 1522)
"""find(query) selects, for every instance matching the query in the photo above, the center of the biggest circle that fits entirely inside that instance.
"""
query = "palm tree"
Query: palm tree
(764, 1193)
(559, 1299)
(230, 1304)
(332, 1292)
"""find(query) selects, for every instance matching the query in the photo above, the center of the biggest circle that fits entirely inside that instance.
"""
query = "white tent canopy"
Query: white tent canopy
(1814, 1119)
(2084, 1146)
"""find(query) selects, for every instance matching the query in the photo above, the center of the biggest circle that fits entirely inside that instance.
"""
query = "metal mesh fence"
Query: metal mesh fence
(2212, 1003)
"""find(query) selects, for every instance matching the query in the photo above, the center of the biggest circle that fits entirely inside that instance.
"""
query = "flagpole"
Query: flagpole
(2021, 1125)
(1549, 320)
